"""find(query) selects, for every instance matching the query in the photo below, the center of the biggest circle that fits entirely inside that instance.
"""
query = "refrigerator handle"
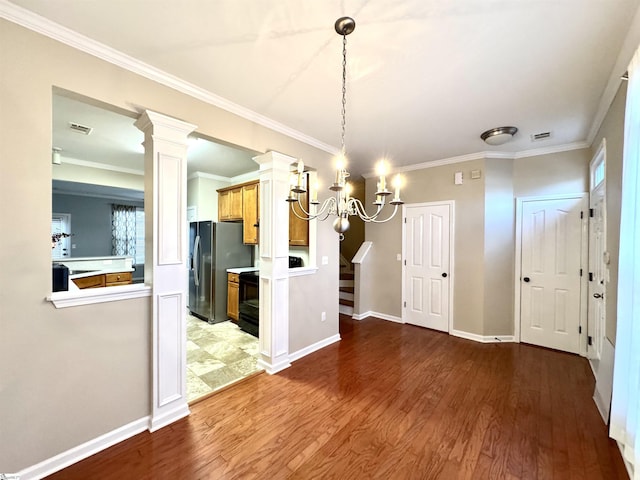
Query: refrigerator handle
(196, 261)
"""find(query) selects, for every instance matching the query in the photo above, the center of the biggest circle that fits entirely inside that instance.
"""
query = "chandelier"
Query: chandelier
(342, 205)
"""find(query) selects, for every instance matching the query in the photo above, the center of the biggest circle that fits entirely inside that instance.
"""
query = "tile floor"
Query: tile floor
(217, 355)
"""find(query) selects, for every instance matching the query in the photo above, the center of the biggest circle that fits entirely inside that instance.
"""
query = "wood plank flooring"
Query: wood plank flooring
(389, 401)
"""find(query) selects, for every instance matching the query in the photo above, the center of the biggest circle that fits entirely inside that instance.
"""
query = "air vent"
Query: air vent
(83, 129)
(540, 136)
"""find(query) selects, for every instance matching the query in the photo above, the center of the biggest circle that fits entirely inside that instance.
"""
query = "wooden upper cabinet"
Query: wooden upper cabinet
(250, 213)
(230, 204)
(298, 228)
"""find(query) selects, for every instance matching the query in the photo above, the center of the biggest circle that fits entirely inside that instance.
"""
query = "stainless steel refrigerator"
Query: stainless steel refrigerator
(214, 247)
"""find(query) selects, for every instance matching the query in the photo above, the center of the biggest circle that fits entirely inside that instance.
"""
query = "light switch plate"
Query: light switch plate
(325, 260)
(457, 178)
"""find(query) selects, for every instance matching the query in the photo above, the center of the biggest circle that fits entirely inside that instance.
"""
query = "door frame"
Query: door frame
(451, 204)
(584, 260)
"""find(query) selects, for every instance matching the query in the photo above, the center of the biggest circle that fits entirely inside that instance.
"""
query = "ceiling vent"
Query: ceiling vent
(83, 129)
(540, 136)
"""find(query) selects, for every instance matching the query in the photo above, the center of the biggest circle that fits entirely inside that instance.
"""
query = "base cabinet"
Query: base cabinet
(233, 295)
(104, 280)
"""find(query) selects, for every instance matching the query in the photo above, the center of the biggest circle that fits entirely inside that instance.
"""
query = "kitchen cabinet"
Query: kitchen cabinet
(230, 204)
(298, 228)
(104, 280)
(250, 213)
(120, 278)
(233, 295)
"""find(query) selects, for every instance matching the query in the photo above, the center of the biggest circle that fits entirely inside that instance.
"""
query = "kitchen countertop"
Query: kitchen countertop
(91, 273)
(242, 269)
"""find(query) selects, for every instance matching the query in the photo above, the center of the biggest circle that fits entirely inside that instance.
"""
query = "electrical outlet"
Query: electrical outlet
(399, 257)
(325, 260)
(323, 317)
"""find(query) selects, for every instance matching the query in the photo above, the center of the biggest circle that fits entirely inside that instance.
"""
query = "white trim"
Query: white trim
(362, 252)
(300, 271)
(272, 369)
(518, 258)
(629, 46)
(209, 176)
(80, 42)
(167, 417)
(85, 450)
(626, 462)
(483, 338)
(102, 166)
(381, 316)
(303, 352)
(484, 156)
(98, 295)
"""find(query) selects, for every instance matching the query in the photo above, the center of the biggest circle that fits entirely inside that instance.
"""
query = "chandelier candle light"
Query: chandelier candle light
(342, 205)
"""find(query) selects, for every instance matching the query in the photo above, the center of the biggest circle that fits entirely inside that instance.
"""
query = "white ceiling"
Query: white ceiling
(425, 77)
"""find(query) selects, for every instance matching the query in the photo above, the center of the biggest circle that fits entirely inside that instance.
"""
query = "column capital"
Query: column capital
(275, 160)
(166, 127)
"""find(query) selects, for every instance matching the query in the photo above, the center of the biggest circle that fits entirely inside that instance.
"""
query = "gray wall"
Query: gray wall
(613, 130)
(70, 375)
(484, 249)
(90, 222)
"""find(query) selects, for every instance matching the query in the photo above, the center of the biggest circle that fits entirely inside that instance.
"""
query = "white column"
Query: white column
(165, 269)
(274, 261)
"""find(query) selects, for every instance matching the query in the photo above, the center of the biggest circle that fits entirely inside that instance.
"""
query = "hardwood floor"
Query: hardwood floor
(389, 401)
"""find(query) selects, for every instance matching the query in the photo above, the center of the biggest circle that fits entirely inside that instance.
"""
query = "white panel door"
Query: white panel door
(550, 273)
(427, 266)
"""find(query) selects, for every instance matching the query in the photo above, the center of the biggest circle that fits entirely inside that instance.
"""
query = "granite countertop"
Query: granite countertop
(242, 269)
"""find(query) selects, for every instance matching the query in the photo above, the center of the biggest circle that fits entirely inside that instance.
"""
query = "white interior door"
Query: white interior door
(427, 265)
(597, 274)
(551, 257)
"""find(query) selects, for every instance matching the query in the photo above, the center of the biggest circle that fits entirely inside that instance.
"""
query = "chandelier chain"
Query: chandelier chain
(343, 112)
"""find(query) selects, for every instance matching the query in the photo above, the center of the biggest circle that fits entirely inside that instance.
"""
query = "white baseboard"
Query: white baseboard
(180, 411)
(483, 338)
(281, 364)
(381, 316)
(303, 352)
(75, 454)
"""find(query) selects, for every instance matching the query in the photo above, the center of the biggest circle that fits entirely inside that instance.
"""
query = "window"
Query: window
(127, 232)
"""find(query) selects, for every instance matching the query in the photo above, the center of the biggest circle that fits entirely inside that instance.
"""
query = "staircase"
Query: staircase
(346, 293)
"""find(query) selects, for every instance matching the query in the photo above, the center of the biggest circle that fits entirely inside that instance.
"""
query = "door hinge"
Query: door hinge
(580, 272)
(405, 263)
(405, 304)
(580, 329)
(581, 214)
(405, 219)
(591, 276)
(591, 212)
(589, 340)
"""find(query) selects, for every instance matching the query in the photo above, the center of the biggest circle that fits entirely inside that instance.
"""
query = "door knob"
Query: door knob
(526, 279)
(444, 275)
(598, 295)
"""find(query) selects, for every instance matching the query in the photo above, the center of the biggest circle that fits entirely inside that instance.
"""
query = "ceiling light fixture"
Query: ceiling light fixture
(342, 205)
(498, 136)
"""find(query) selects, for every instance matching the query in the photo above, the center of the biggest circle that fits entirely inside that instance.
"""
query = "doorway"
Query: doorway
(597, 256)
(551, 242)
(427, 267)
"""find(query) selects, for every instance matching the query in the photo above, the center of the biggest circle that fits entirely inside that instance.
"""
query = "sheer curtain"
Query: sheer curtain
(625, 403)
(123, 230)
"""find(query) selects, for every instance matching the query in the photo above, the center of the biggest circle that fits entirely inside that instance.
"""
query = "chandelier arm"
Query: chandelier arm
(374, 220)
(326, 205)
(361, 212)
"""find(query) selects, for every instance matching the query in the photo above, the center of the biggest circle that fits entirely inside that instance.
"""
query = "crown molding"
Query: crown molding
(629, 47)
(484, 156)
(101, 166)
(209, 176)
(535, 152)
(85, 44)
